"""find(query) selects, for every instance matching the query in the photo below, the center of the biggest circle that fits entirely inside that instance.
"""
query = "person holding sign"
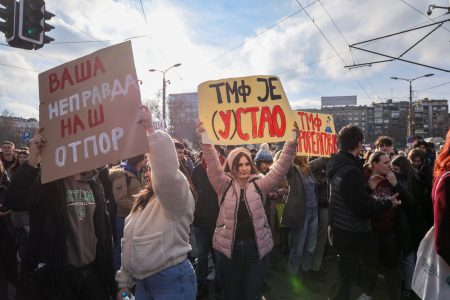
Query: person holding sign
(156, 235)
(69, 253)
(242, 238)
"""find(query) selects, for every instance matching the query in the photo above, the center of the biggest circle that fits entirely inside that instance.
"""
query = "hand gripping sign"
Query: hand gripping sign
(317, 134)
(245, 110)
(88, 108)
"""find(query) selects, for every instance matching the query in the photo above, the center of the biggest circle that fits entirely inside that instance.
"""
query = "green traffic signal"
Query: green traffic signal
(33, 31)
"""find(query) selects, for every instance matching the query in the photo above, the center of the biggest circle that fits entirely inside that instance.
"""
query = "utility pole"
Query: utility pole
(410, 130)
(164, 90)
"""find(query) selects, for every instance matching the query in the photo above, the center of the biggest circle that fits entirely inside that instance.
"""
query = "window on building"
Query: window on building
(395, 114)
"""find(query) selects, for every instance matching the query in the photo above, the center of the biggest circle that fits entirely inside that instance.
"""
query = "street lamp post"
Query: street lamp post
(410, 130)
(164, 89)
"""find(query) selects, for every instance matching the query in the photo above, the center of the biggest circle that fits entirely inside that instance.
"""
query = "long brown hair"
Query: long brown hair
(406, 169)
(142, 198)
(442, 163)
(302, 163)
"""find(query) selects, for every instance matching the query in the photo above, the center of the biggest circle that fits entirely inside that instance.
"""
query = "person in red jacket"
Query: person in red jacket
(441, 201)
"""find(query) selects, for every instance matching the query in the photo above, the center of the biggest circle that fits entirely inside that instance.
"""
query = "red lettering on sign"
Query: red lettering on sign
(226, 118)
(71, 125)
(81, 72)
(279, 123)
(242, 135)
(317, 143)
(253, 111)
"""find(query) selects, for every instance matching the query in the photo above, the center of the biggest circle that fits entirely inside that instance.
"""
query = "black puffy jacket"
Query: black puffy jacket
(350, 210)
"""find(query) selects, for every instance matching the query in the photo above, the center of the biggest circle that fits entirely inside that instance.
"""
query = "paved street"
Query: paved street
(286, 287)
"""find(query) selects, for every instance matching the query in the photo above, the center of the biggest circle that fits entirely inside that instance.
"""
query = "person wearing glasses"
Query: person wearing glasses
(155, 244)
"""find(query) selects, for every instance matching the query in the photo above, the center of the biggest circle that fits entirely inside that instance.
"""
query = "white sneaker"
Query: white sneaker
(363, 296)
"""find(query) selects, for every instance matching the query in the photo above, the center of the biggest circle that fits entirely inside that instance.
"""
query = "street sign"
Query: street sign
(26, 136)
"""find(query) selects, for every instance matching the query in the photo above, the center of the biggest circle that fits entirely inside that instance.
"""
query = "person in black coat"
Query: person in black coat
(205, 217)
(350, 211)
(8, 261)
(69, 255)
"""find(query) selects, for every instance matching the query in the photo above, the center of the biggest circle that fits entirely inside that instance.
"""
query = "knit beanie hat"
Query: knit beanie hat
(264, 154)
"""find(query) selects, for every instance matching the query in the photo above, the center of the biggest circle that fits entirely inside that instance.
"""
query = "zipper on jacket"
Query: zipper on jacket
(235, 222)
(253, 223)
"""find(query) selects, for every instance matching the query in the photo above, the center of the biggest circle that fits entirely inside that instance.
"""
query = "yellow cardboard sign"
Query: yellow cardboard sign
(317, 134)
(245, 110)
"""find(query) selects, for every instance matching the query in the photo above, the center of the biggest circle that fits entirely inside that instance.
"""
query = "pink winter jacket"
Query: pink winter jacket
(224, 234)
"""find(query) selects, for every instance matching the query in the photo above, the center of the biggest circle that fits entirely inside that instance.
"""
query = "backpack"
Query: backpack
(253, 180)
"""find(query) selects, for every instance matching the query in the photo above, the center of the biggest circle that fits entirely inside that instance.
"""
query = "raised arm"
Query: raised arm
(215, 172)
(169, 183)
(280, 169)
(277, 173)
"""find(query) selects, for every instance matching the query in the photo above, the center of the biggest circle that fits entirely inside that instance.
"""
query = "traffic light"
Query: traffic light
(31, 14)
(7, 14)
(11, 16)
(47, 27)
(32, 25)
(25, 24)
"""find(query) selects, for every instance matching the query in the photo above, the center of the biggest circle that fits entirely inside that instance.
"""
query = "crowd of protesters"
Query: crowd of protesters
(166, 224)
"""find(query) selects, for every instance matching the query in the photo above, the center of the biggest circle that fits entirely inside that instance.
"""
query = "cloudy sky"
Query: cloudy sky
(215, 39)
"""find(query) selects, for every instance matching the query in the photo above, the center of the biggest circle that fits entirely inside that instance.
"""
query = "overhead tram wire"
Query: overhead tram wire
(348, 44)
(81, 42)
(331, 45)
(36, 53)
(80, 30)
(260, 33)
(429, 19)
(145, 19)
(310, 64)
(435, 86)
(16, 67)
(153, 41)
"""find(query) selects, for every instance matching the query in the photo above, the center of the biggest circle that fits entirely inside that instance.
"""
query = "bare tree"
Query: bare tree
(155, 107)
(8, 132)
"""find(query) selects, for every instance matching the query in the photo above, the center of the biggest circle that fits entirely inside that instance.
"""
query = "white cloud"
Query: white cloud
(194, 35)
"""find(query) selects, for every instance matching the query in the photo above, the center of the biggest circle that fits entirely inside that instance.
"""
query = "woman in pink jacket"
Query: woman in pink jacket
(242, 238)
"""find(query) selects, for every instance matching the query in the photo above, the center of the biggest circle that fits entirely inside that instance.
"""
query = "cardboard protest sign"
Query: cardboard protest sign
(245, 110)
(88, 110)
(317, 134)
